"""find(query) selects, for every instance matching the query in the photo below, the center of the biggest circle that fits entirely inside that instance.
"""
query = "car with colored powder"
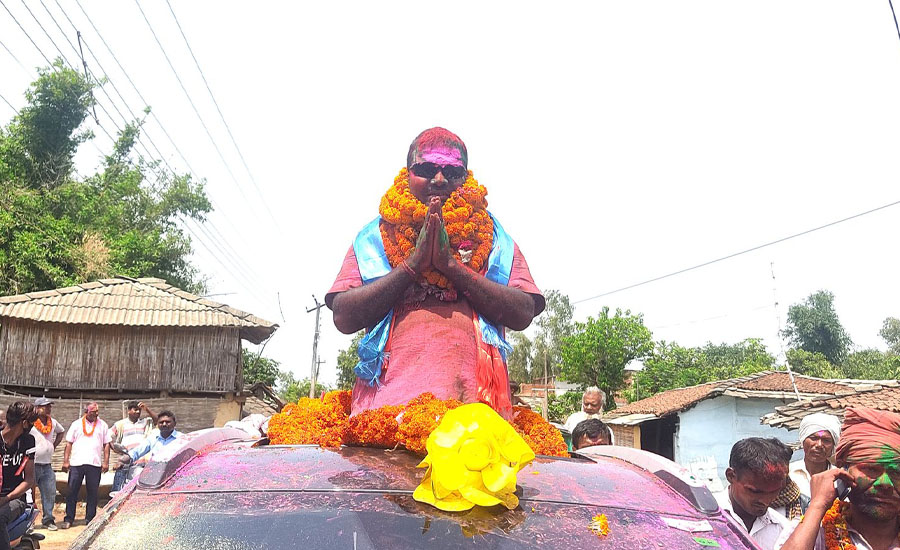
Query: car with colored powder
(218, 489)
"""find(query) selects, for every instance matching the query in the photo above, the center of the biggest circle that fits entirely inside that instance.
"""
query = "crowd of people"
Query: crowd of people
(30, 435)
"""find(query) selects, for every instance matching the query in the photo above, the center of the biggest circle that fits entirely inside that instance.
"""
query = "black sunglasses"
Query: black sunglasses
(429, 170)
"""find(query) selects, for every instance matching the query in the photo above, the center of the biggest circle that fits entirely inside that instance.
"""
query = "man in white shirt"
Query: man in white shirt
(819, 435)
(591, 407)
(86, 458)
(757, 471)
(48, 433)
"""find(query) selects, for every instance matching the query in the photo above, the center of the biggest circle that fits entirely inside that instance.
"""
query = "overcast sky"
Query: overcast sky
(618, 142)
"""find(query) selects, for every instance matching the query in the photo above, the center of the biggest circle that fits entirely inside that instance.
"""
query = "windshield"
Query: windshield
(237, 521)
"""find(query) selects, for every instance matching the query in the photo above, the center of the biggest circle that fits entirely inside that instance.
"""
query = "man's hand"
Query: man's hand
(65, 466)
(421, 258)
(441, 256)
(104, 467)
(821, 486)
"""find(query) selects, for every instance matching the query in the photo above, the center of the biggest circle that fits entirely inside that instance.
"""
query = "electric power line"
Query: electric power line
(26, 34)
(191, 101)
(8, 103)
(895, 17)
(15, 58)
(222, 116)
(143, 100)
(729, 256)
(232, 255)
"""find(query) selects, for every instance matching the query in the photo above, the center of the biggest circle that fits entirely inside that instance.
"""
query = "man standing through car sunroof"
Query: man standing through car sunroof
(435, 279)
(757, 472)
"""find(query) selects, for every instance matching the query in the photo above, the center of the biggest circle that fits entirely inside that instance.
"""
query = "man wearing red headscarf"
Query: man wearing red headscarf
(868, 460)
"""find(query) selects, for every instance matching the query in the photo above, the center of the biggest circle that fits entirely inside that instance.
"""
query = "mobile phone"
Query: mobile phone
(842, 489)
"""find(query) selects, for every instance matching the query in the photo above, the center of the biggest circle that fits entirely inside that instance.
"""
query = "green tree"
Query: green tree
(672, 366)
(812, 364)
(669, 366)
(290, 389)
(257, 368)
(559, 407)
(814, 326)
(58, 228)
(890, 332)
(346, 362)
(519, 360)
(554, 325)
(598, 350)
(871, 364)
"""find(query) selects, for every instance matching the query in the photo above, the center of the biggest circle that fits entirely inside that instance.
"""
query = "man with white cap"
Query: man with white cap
(819, 435)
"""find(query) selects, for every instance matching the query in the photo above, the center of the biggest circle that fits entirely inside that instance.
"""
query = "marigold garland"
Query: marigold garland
(420, 417)
(834, 524)
(84, 427)
(466, 219)
(310, 422)
(376, 428)
(540, 435)
(44, 429)
(327, 422)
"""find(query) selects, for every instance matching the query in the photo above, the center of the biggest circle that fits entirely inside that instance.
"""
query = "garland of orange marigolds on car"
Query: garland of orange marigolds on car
(468, 224)
(326, 422)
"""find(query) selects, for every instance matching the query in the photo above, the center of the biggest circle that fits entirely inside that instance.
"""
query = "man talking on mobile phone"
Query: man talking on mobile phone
(868, 460)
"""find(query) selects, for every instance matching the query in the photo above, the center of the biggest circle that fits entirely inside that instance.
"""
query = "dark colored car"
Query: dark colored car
(217, 489)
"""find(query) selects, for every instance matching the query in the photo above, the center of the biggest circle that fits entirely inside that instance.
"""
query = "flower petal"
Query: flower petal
(450, 473)
(497, 476)
(479, 497)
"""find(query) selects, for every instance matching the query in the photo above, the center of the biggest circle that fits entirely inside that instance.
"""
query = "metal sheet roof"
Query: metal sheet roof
(124, 301)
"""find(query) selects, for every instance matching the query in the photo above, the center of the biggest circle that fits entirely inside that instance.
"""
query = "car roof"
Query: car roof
(238, 466)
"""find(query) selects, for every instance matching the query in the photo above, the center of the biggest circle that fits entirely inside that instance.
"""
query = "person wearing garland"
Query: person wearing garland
(434, 279)
(48, 434)
(86, 457)
(868, 461)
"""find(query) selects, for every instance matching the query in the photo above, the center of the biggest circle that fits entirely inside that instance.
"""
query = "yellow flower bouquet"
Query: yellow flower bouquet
(473, 458)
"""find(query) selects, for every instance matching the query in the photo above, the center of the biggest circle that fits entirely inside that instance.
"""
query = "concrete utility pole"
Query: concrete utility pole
(315, 353)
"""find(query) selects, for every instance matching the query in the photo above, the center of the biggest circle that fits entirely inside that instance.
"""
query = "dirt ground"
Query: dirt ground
(60, 540)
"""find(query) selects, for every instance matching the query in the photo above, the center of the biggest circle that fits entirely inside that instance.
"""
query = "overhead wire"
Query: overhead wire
(222, 116)
(735, 254)
(236, 267)
(15, 58)
(223, 244)
(143, 100)
(38, 48)
(193, 105)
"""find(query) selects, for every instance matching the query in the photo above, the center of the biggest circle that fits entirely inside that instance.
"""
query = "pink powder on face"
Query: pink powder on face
(442, 155)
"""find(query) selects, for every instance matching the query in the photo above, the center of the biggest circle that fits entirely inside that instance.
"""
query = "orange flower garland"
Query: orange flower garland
(84, 427)
(465, 218)
(44, 429)
(420, 417)
(540, 435)
(310, 422)
(327, 422)
(837, 536)
(376, 428)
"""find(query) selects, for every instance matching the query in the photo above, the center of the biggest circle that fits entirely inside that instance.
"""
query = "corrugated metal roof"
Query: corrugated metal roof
(123, 301)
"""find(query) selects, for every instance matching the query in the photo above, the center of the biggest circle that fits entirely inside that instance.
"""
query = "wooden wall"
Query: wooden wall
(98, 357)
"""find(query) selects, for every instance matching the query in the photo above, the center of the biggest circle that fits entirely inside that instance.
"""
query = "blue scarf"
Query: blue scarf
(373, 264)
